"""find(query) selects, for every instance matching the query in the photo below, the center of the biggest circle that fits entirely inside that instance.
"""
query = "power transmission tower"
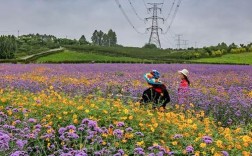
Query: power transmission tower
(154, 36)
(185, 43)
(179, 40)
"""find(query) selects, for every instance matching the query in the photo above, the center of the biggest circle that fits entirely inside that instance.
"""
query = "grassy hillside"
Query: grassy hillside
(243, 58)
(73, 56)
(143, 53)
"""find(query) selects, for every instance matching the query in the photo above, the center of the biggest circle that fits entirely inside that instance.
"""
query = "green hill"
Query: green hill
(82, 57)
(243, 58)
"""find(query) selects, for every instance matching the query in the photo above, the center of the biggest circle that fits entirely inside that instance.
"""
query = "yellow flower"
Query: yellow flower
(126, 111)
(218, 154)
(92, 105)
(174, 143)
(87, 111)
(189, 121)
(130, 117)
(141, 124)
(124, 140)
(9, 112)
(104, 143)
(238, 146)
(197, 153)
(152, 129)
(105, 111)
(212, 150)
(203, 145)
(51, 87)
(245, 144)
(219, 143)
(75, 121)
(75, 116)
(245, 153)
(141, 143)
(3, 100)
(80, 108)
(246, 139)
(194, 126)
(105, 135)
(116, 144)
(155, 125)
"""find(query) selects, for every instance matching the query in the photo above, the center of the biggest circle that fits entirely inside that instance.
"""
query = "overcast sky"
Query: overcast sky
(206, 22)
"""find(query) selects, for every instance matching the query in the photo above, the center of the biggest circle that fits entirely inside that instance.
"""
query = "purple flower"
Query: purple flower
(72, 136)
(151, 154)
(189, 149)
(139, 134)
(72, 127)
(17, 121)
(81, 129)
(121, 151)
(160, 154)
(19, 153)
(111, 126)
(4, 141)
(92, 124)
(120, 124)
(21, 143)
(118, 133)
(225, 153)
(31, 120)
(139, 151)
(129, 129)
(177, 136)
(38, 126)
(207, 139)
(85, 121)
(62, 130)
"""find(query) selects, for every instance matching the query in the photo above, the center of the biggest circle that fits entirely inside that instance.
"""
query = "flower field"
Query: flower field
(73, 110)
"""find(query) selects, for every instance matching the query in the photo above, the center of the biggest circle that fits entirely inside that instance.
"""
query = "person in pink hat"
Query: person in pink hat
(183, 89)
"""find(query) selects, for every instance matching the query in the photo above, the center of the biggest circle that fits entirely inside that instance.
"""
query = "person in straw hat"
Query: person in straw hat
(157, 92)
(183, 86)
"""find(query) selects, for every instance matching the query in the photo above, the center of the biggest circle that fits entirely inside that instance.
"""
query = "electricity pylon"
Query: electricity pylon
(154, 37)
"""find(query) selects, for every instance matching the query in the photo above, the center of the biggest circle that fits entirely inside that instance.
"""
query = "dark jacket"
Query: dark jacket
(157, 94)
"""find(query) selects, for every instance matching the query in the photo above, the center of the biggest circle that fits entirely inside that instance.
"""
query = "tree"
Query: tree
(94, 37)
(83, 40)
(112, 38)
(8, 47)
(100, 36)
(105, 40)
(231, 46)
(150, 46)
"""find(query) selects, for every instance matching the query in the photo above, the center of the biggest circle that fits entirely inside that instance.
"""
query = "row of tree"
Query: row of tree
(104, 39)
(11, 46)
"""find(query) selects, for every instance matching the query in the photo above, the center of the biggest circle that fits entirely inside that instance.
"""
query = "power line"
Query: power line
(127, 18)
(170, 10)
(173, 17)
(162, 4)
(145, 5)
(134, 10)
(169, 42)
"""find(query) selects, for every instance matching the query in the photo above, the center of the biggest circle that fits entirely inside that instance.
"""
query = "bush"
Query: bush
(238, 50)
